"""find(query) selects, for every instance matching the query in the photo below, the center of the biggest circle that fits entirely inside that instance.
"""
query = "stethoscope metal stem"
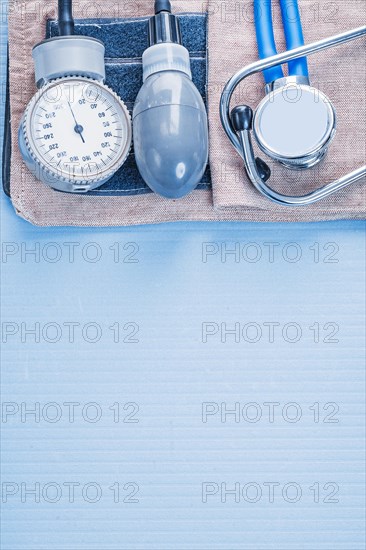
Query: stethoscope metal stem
(243, 144)
(288, 200)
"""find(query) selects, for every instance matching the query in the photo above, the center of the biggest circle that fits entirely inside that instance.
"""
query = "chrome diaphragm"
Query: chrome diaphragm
(294, 123)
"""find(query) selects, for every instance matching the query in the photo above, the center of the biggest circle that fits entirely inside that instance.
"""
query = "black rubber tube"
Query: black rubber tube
(162, 5)
(65, 18)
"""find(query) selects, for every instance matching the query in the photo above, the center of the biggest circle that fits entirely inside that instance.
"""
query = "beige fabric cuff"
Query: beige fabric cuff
(340, 73)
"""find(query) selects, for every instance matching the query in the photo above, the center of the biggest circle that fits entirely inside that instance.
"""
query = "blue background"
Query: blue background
(169, 292)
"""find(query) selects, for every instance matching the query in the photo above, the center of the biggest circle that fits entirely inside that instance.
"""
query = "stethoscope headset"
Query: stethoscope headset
(294, 123)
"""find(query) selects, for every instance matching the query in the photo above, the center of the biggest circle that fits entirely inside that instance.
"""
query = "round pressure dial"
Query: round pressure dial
(77, 134)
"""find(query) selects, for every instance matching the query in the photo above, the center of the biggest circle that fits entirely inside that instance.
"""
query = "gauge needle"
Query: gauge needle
(78, 128)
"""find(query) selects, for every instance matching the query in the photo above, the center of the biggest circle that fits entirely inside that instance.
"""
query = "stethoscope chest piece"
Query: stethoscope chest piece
(294, 124)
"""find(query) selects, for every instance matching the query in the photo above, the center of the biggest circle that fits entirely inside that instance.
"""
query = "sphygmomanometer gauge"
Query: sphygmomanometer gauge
(75, 132)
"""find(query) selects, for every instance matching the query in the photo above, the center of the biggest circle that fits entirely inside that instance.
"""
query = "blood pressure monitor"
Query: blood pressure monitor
(75, 132)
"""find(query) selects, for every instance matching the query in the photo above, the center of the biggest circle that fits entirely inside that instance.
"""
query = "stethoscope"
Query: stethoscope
(294, 123)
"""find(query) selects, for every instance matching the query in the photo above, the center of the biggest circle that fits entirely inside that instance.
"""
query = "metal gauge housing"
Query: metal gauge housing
(76, 132)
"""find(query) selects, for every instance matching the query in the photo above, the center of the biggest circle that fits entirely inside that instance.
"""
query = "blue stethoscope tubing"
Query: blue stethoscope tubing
(293, 35)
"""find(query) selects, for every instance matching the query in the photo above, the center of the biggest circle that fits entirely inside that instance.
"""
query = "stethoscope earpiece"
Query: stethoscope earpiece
(241, 119)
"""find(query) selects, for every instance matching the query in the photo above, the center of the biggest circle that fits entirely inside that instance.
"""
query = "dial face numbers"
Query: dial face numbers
(79, 130)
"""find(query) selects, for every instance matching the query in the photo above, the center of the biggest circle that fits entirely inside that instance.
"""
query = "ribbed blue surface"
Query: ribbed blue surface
(177, 284)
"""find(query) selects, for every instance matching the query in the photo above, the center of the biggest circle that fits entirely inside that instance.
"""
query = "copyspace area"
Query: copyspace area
(184, 386)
